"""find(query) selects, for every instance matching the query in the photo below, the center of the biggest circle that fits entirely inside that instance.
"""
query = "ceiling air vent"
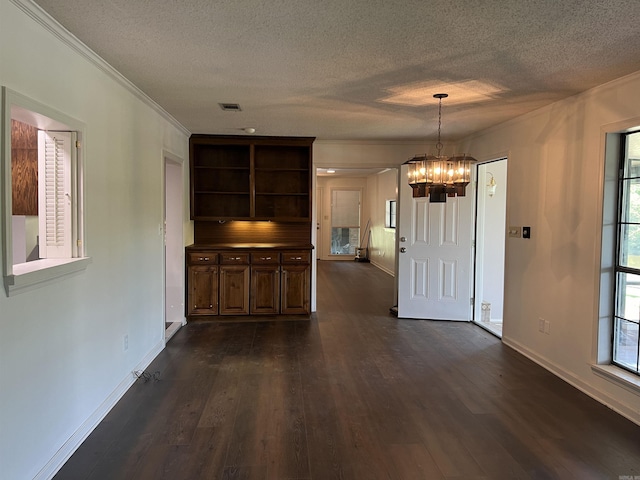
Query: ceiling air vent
(230, 107)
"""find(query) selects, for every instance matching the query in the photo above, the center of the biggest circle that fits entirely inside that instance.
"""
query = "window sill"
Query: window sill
(27, 276)
(619, 376)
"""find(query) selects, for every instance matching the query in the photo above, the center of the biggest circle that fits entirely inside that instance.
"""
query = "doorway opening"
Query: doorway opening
(173, 246)
(491, 202)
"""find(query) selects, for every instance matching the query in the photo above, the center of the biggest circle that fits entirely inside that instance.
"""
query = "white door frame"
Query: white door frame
(490, 243)
(173, 238)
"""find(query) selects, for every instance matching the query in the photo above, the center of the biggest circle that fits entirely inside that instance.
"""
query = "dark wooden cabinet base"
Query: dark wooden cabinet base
(225, 282)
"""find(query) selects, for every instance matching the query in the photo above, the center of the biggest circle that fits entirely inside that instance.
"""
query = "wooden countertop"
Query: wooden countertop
(254, 246)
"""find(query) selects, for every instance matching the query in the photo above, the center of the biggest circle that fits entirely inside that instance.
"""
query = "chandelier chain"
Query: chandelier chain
(439, 144)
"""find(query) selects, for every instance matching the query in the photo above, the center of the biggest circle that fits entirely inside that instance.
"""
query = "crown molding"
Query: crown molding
(36, 13)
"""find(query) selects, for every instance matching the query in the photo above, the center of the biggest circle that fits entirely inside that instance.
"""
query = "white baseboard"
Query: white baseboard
(81, 434)
(602, 397)
(384, 269)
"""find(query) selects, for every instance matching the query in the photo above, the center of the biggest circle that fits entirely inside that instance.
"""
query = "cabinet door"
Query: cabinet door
(234, 290)
(265, 289)
(296, 289)
(203, 290)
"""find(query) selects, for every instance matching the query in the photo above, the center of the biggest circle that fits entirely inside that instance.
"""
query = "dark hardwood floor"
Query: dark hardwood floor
(354, 393)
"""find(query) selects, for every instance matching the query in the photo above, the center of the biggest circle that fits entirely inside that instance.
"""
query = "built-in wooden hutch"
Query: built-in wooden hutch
(251, 206)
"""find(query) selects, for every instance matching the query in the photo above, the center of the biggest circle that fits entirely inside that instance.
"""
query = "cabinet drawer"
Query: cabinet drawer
(268, 258)
(296, 257)
(233, 258)
(202, 258)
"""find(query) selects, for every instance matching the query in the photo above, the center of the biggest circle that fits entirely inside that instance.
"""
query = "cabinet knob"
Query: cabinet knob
(210, 306)
(200, 258)
(298, 258)
(265, 258)
(206, 258)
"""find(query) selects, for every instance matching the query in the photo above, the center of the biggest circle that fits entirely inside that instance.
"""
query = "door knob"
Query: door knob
(403, 239)
(403, 249)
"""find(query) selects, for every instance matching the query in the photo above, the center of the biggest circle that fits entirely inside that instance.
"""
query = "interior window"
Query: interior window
(42, 235)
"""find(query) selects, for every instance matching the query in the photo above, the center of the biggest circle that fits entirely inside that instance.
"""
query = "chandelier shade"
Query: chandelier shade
(439, 176)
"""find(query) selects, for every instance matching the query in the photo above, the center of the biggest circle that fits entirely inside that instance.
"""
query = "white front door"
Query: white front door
(434, 261)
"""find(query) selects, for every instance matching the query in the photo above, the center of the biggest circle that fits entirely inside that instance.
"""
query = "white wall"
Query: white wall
(62, 358)
(555, 185)
(382, 248)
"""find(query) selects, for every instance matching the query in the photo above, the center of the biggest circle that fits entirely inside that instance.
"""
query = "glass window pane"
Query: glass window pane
(629, 246)
(628, 292)
(625, 344)
(632, 155)
(631, 200)
(344, 241)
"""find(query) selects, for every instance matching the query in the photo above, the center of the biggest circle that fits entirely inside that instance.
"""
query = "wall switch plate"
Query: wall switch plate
(541, 324)
(126, 343)
(547, 327)
(515, 232)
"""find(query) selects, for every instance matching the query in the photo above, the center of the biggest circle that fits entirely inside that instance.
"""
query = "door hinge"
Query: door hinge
(472, 299)
(79, 243)
(78, 144)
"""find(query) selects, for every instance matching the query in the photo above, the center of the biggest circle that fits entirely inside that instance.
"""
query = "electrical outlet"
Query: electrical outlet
(126, 343)
(541, 324)
(547, 327)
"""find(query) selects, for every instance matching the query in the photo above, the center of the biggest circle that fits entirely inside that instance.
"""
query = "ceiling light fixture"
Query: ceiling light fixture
(439, 176)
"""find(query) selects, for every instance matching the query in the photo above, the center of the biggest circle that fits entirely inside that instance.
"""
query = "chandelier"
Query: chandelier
(439, 176)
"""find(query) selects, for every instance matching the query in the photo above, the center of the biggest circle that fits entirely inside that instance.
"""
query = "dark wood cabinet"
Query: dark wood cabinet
(234, 289)
(202, 284)
(234, 283)
(265, 283)
(260, 281)
(295, 282)
(251, 206)
(259, 178)
(265, 290)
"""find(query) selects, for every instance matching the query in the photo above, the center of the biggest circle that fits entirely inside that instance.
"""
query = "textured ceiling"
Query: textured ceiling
(357, 69)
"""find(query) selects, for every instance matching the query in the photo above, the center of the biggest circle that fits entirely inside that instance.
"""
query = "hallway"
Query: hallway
(353, 394)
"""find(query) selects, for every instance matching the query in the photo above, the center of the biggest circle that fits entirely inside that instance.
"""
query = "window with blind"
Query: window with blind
(345, 221)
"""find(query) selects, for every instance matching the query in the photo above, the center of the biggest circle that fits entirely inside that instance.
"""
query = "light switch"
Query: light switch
(515, 232)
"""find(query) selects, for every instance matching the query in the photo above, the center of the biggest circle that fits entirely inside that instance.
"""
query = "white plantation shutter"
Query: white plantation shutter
(55, 190)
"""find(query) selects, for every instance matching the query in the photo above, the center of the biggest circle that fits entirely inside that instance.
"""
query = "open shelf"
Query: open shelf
(246, 178)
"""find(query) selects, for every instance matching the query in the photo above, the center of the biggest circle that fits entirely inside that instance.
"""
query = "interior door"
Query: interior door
(434, 259)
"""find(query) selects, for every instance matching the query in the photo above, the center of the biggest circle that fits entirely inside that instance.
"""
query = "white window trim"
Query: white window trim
(23, 277)
(603, 346)
(619, 376)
